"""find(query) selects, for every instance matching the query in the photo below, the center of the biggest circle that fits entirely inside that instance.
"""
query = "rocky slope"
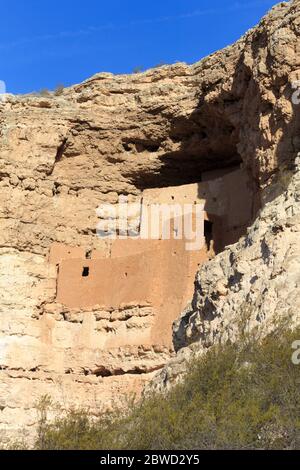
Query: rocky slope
(251, 288)
(61, 156)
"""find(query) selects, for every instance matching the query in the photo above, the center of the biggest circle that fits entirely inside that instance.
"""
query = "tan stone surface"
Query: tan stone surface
(60, 157)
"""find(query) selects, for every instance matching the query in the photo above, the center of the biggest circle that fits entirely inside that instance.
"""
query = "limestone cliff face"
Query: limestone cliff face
(62, 156)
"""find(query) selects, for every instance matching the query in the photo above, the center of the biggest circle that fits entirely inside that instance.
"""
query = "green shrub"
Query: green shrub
(242, 396)
(59, 90)
(44, 92)
(138, 69)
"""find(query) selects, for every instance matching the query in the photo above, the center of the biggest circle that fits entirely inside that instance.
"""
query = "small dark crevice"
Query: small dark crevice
(103, 371)
(56, 189)
(235, 279)
(127, 147)
(142, 147)
(60, 150)
(253, 280)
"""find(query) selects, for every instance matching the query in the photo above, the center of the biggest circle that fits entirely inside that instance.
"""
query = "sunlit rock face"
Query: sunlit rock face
(253, 286)
(137, 136)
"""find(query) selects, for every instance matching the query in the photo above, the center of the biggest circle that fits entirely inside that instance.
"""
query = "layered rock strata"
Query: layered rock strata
(63, 156)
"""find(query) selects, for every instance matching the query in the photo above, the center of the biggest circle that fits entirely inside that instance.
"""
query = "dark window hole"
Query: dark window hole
(208, 233)
(85, 272)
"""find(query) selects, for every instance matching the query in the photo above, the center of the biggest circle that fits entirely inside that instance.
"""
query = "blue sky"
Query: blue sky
(44, 43)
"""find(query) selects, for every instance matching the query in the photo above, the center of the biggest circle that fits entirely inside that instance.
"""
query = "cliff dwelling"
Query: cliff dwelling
(99, 312)
(153, 274)
(89, 319)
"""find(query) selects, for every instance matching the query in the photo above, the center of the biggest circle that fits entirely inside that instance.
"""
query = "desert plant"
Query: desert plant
(59, 90)
(238, 396)
(44, 92)
(138, 69)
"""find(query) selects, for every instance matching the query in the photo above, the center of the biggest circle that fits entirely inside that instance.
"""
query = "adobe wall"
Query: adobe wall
(148, 276)
(230, 197)
(227, 197)
(158, 273)
(110, 282)
(59, 252)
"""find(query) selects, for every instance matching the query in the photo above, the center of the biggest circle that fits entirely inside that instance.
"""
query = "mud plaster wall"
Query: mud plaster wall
(158, 273)
(160, 276)
(228, 197)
